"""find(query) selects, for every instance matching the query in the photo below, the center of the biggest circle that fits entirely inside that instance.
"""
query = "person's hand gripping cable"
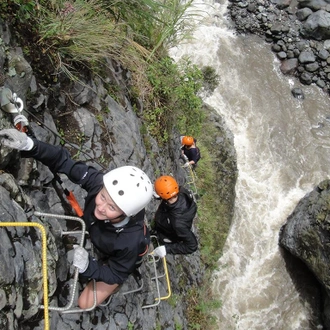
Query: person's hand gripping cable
(12, 138)
(160, 251)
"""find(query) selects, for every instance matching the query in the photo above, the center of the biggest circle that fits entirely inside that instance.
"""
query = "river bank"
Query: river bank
(296, 32)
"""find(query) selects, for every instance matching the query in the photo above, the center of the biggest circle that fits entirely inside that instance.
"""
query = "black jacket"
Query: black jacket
(174, 221)
(192, 153)
(120, 247)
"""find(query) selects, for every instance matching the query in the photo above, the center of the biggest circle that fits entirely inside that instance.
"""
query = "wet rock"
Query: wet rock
(282, 55)
(320, 83)
(323, 54)
(302, 28)
(281, 4)
(312, 67)
(306, 57)
(317, 25)
(302, 14)
(313, 4)
(305, 233)
(289, 66)
(306, 78)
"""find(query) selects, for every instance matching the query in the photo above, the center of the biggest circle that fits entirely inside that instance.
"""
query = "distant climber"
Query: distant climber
(189, 151)
(113, 213)
(173, 218)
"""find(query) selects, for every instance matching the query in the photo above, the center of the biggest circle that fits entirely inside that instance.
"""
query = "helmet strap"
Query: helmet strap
(118, 219)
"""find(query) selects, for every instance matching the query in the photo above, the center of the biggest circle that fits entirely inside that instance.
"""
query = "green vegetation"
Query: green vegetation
(214, 179)
(200, 307)
(213, 210)
(79, 37)
(174, 98)
(211, 78)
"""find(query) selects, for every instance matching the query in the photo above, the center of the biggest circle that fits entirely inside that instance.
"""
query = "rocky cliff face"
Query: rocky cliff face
(106, 133)
(305, 236)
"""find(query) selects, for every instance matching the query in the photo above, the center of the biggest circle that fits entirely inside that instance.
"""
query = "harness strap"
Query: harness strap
(147, 246)
(70, 197)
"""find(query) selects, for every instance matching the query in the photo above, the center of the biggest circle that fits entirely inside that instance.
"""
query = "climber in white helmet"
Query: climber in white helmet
(113, 213)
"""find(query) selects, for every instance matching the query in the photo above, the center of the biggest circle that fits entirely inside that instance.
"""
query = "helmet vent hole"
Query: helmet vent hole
(138, 185)
(120, 192)
(114, 182)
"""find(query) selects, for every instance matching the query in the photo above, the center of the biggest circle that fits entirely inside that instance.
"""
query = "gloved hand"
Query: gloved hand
(21, 119)
(15, 139)
(186, 164)
(160, 251)
(80, 258)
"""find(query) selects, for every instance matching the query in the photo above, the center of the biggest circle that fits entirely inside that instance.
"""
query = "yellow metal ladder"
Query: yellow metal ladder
(68, 308)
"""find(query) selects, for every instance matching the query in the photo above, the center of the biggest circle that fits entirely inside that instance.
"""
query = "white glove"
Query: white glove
(21, 119)
(12, 138)
(80, 258)
(160, 251)
(186, 164)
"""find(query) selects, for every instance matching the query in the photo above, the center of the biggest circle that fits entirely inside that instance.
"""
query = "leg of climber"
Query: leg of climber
(103, 291)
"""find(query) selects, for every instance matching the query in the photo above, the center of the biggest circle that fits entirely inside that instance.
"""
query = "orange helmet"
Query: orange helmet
(166, 187)
(188, 140)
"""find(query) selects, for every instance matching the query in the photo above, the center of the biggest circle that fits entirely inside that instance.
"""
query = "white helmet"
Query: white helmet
(129, 187)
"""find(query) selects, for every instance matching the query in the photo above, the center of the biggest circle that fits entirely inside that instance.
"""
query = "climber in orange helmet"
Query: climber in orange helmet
(174, 217)
(190, 151)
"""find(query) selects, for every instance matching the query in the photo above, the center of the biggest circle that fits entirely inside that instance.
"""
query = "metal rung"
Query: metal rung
(157, 276)
(157, 284)
(76, 273)
(68, 309)
(80, 310)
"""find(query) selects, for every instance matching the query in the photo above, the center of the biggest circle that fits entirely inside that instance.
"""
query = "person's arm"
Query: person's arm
(58, 160)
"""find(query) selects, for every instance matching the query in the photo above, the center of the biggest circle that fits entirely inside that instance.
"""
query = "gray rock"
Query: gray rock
(289, 66)
(317, 25)
(305, 232)
(282, 55)
(312, 67)
(323, 54)
(302, 14)
(313, 4)
(306, 57)
(306, 78)
(320, 83)
(281, 4)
